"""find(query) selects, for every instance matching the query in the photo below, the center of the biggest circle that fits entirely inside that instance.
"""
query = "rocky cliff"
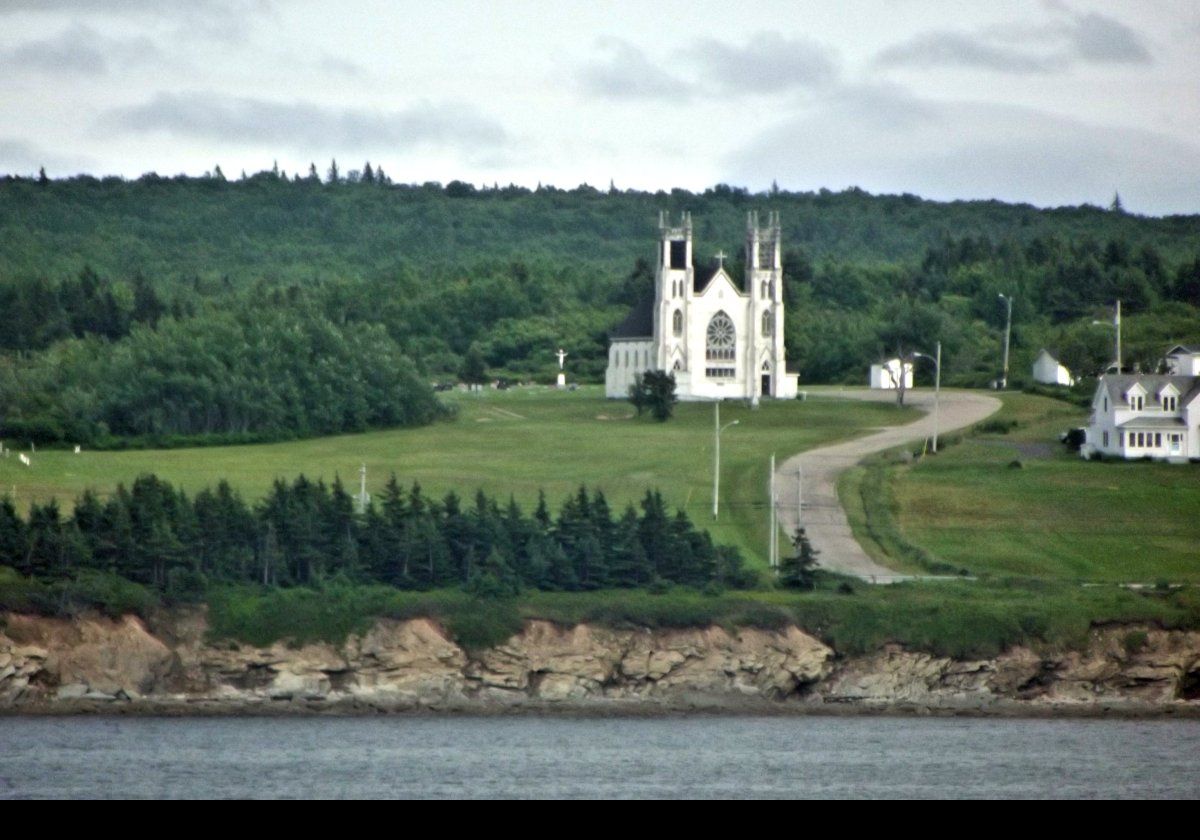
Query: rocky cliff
(97, 664)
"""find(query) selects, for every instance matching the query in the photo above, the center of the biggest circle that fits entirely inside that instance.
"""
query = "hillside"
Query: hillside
(126, 301)
(175, 229)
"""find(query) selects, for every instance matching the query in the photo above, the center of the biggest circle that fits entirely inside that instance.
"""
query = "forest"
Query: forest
(307, 533)
(169, 310)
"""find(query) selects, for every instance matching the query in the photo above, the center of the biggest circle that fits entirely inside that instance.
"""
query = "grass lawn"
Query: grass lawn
(1056, 516)
(516, 441)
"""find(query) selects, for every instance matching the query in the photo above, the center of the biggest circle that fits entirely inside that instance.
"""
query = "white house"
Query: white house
(719, 340)
(1049, 371)
(886, 375)
(1183, 361)
(1139, 415)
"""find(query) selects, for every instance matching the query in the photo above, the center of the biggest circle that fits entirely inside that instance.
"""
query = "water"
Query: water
(702, 757)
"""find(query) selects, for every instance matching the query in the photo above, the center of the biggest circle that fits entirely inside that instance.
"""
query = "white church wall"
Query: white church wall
(625, 360)
(756, 352)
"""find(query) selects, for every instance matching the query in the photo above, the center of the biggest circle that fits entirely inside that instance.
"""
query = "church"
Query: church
(719, 340)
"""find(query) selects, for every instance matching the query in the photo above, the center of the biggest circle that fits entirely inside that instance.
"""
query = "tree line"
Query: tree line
(124, 301)
(306, 532)
(257, 373)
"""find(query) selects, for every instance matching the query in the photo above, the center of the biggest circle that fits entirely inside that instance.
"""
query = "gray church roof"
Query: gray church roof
(639, 323)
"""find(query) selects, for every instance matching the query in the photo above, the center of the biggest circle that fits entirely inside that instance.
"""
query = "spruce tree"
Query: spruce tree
(798, 571)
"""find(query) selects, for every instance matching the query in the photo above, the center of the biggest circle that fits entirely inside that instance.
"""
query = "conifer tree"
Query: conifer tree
(798, 571)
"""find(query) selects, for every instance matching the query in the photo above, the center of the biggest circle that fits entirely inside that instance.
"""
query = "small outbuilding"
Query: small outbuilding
(1050, 371)
(886, 375)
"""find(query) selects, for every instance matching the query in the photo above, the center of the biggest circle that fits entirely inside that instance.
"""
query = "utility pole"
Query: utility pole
(717, 429)
(937, 389)
(716, 457)
(937, 395)
(1007, 336)
(362, 489)
(773, 542)
(1117, 324)
(799, 496)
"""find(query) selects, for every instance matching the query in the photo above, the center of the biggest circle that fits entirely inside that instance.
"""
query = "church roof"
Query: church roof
(639, 323)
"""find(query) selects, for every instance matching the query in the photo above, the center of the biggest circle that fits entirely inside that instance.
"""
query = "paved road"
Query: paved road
(824, 518)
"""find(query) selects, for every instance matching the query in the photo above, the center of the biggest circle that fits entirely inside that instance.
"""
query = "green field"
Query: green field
(511, 442)
(1056, 516)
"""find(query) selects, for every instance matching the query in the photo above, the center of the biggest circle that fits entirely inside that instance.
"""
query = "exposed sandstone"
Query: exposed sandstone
(60, 664)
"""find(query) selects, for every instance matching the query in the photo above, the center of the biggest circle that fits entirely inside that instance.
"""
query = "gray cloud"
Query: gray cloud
(308, 127)
(1102, 39)
(886, 140)
(182, 20)
(768, 63)
(938, 49)
(78, 50)
(18, 157)
(1043, 48)
(339, 66)
(155, 8)
(627, 74)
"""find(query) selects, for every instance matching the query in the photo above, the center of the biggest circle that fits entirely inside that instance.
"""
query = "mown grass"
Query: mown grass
(516, 441)
(1018, 503)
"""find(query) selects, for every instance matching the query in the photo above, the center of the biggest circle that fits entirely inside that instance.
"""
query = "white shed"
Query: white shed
(886, 376)
(1049, 371)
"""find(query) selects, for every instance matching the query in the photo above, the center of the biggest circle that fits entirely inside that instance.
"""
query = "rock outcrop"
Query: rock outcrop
(120, 665)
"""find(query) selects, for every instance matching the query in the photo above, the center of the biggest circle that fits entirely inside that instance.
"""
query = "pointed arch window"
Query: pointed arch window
(721, 339)
(768, 323)
(677, 323)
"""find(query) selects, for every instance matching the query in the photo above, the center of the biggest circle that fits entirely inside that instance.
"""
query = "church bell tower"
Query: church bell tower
(674, 277)
(764, 284)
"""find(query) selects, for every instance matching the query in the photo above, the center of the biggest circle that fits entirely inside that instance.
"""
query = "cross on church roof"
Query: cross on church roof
(720, 259)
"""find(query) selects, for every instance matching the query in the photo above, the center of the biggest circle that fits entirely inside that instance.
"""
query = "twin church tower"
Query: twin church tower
(719, 340)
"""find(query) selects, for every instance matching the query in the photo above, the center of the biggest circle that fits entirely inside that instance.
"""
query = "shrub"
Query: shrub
(1135, 641)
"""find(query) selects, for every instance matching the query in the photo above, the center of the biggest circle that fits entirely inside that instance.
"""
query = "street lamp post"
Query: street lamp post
(937, 389)
(1007, 335)
(717, 429)
(1116, 324)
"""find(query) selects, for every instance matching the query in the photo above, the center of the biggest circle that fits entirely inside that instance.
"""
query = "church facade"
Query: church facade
(720, 341)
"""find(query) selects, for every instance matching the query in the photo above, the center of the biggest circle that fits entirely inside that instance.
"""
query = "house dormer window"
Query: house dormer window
(1136, 401)
(1170, 403)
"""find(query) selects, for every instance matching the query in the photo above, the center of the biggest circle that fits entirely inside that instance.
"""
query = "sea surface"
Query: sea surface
(701, 757)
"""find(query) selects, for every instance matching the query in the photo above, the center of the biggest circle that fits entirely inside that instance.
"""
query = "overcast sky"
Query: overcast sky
(1051, 102)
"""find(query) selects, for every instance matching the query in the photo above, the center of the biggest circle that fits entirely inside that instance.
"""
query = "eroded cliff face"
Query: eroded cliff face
(101, 664)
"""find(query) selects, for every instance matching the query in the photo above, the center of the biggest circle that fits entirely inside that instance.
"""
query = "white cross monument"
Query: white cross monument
(562, 377)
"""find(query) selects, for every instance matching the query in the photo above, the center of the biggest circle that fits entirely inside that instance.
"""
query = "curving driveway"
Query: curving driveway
(824, 518)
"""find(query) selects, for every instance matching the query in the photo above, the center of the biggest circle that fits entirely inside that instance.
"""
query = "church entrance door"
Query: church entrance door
(766, 384)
